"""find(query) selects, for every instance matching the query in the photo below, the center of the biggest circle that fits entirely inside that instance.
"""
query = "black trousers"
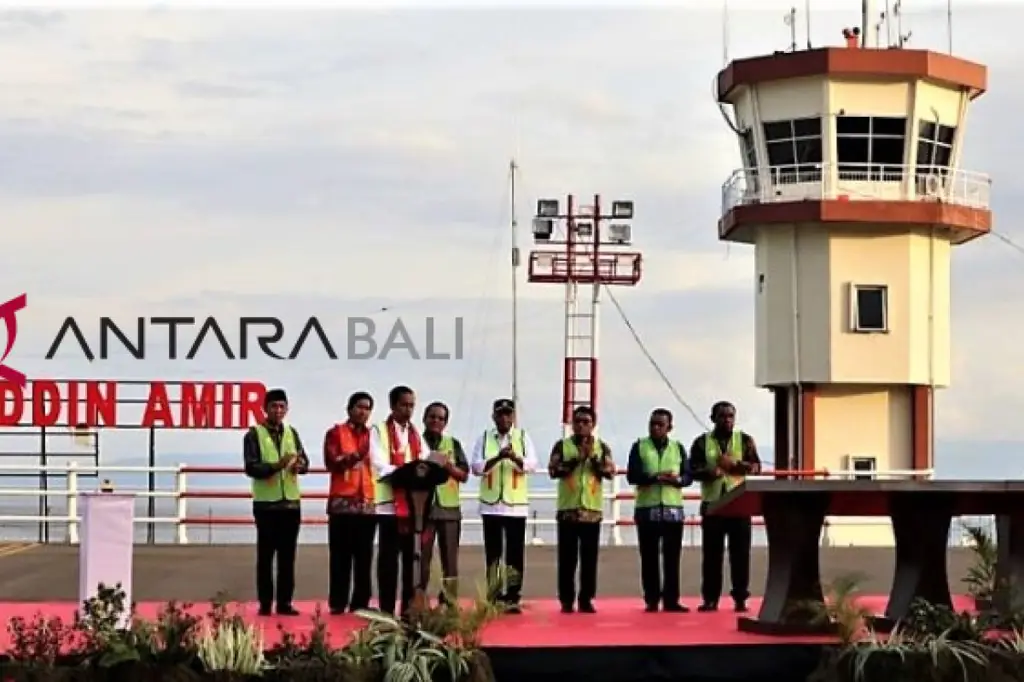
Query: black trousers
(394, 551)
(716, 531)
(505, 538)
(660, 544)
(277, 537)
(350, 543)
(577, 545)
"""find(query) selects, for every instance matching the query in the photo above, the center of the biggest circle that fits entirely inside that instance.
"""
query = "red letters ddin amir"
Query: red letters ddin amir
(164, 405)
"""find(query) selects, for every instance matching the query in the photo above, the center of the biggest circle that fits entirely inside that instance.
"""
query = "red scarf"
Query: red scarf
(398, 459)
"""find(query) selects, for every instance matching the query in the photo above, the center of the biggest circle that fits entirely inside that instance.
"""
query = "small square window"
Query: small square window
(869, 308)
(863, 468)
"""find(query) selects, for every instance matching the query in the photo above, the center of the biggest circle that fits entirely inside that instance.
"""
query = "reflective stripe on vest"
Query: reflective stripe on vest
(448, 493)
(668, 461)
(383, 494)
(283, 485)
(582, 488)
(712, 490)
(504, 482)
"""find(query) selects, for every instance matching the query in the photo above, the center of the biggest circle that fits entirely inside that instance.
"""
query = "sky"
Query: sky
(350, 162)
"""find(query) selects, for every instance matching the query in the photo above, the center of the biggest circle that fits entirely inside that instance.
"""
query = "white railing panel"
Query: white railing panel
(855, 182)
(618, 495)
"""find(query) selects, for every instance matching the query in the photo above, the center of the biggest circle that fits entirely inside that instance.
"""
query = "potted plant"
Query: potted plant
(981, 576)
(439, 644)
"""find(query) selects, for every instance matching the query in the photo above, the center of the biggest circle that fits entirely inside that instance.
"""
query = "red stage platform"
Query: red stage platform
(620, 643)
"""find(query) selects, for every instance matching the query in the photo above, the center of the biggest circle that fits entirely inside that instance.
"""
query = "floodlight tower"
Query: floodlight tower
(853, 196)
(587, 257)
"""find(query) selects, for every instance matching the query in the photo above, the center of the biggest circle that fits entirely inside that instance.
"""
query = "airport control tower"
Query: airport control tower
(853, 196)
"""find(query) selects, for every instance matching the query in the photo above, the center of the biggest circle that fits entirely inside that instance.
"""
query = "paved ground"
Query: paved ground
(50, 572)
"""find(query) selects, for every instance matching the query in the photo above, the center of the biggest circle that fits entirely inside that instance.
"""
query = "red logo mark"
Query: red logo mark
(8, 313)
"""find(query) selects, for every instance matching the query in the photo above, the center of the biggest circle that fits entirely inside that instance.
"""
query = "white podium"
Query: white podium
(106, 543)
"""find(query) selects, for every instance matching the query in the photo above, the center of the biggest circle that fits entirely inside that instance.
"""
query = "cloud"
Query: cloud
(350, 163)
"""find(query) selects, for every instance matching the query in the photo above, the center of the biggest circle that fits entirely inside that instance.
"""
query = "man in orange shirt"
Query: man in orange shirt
(350, 508)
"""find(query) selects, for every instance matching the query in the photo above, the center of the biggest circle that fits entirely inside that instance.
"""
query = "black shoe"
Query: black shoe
(651, 608)
(567, 608)
(707, 607)
(287, 610)
(514, 608)
(264, 611)
(587, 607)
(740, 606)
(338, 610)
(676, 608)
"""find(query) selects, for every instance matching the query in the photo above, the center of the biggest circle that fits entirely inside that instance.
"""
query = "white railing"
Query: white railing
(855, 182)
(618, 493)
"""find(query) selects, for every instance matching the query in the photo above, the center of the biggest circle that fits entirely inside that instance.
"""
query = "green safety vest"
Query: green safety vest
(383, 494)
(713, 490)
(668, 461)
(283, 485)
(582, 488)
(504, 483)
(448, 492)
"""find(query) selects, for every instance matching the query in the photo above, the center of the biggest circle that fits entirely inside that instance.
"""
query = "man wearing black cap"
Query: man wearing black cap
(274, 459)
(504, 457)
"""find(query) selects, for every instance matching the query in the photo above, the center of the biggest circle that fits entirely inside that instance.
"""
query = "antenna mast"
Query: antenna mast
(513, 169)
(949, 23)
(725, 32)
(807, 20)
(868, 36)
(791, 22)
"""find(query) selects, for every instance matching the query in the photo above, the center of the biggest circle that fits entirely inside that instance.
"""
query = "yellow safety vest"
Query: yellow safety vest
(711, 491)
(668, 461)
(448, 493)
(504, 482)
(283, 485)
(582, 488)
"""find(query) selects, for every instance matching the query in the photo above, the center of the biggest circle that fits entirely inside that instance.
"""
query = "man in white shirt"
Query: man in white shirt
(504, 457)
(393, 443)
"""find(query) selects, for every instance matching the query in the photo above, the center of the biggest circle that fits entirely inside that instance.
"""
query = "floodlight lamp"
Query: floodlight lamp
(542, 229)
(620, 233)
(547, 208)
(584, 229)
(622, 210)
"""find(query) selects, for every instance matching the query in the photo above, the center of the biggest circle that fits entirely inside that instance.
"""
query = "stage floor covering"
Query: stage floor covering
(621, 643)
(49, 573)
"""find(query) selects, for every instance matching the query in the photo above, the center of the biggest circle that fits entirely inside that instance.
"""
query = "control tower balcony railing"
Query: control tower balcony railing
(855, 182)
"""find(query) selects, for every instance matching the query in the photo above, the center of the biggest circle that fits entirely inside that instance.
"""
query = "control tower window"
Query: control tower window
(870, 148)
(934, 148)
(750, 158)
(869, 308)
(794, 150)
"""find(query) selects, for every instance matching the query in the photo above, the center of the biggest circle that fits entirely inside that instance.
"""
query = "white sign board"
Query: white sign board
(105, 549)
